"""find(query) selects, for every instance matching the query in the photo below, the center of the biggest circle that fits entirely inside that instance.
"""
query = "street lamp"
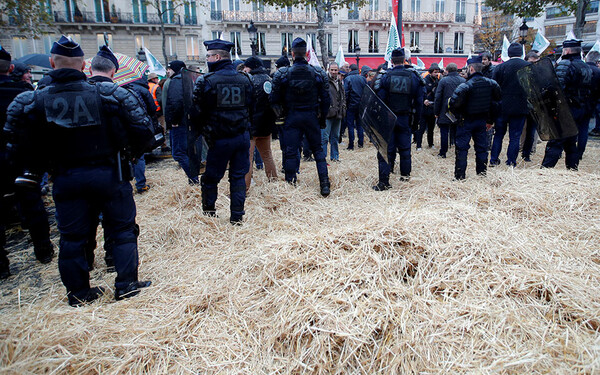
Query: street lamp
(357, 51)
(252, 31)
(523, 31)
(141, 55)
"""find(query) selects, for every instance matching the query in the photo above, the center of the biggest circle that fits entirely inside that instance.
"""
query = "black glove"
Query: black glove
(322, 122)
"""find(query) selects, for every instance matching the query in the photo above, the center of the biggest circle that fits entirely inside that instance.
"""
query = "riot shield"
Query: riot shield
(549, 105)
(194, 143)
(377, 120)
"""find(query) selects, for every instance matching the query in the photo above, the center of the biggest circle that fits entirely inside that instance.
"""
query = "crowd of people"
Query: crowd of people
(91, 134)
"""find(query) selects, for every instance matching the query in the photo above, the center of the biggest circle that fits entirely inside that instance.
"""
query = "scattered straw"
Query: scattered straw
(495, 274)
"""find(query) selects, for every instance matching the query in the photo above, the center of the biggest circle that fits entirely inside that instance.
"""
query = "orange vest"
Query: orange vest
(152, 87)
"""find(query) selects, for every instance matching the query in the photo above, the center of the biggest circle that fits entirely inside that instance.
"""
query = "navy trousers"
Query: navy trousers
(234, 151)
(353, 122)
(514, 124)
(400, 142)
(555, 147)
(297, 124)
(80, 194)
(475, 129)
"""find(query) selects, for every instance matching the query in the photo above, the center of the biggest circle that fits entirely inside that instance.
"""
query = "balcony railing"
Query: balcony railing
(460, 18)
(119, 18)
(383, 15)
(284, 17)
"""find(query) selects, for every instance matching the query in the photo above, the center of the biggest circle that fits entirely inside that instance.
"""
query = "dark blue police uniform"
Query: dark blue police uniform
(578, 82)
(76, 130)
(402, 89)
(302, 93)
(224, 101)
(476, 101)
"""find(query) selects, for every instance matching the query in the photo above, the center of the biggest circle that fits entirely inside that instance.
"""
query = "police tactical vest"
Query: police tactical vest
(231, 112)
(76, 131)
(302, 92)
(399, 91)
(479, 100)
(584, 89)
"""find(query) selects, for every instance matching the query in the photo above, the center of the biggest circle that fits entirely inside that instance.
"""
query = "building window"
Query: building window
(459, 42)
(235, 38)
(554, 12)
(415, 39)
(373, 41)
(415, 6)
(190, 13)
(191, 46)
(171, 43)
(46, 5)
(286, 43)
(169, 11)
(329, 44)
(352, 40)
(461, 15)
(215, 10)
(234, 5)
(589, 27)
(438, 43)
(101, 41)
(48, 42)
(592, 7)
(258, 6)
(261, 41)
(374, 5)
(139, 42)
(353, 11)
(556, 31)
(20, 47)
(439, 6)
(140, 14)
(102, 11)
(70, 7)
(216, 34)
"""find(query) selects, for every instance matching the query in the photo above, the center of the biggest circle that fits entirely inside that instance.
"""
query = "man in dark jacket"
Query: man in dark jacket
(177, 123)
(337, 111)
(427, 121)
(514, 108)
(263, 119)
(488, 68)
(593, 59)
(475, 101)
(579, 83)
(224, 100)
(443, 92)
(29, 200)
(354, 84)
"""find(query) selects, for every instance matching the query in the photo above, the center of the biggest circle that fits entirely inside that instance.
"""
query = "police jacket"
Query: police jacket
(476, 99)
(354, 85)
(402, 89)
(224, 101)
(577, 81)
(514, 99)
(337, 108)
(301, 87)
(431, 83)
(75, 123)
(173, 108)
(443, 92)
(263, 117)
(596, 79)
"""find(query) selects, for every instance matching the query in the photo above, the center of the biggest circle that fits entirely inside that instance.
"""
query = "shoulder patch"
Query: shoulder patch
(268, 87)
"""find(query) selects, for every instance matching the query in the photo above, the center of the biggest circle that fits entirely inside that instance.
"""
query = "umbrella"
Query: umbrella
(36, 59)
(130, 69)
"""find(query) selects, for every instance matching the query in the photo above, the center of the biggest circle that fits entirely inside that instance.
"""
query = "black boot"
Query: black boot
(131, 290)
(325, 185)
(382, 186)
(4, 269)
(44, 252)
(91, 295)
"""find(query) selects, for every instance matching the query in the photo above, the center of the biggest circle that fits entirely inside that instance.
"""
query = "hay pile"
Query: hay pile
(497, 274)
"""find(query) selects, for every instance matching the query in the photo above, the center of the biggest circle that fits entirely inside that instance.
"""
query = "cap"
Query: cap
(66, 47)
(298, 43)
(571, 43)
(515, 49)
(475, 60)
(176, 65)
(108, 54)
(218, 44)
(398, 52)
(282, 61)
(253, 62)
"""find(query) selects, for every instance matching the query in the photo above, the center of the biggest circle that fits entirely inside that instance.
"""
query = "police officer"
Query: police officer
(476, 101)
(224, 101)
(29, 199)
(77, 130)
(577, 81)
(402, 89)
(301, 93)
(427, 122)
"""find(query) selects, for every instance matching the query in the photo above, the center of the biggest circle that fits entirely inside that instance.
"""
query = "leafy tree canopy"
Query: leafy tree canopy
(30, 16)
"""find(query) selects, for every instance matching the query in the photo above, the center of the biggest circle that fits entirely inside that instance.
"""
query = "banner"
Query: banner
(540, 43)
(505, 45)
(393, 40)
(339, 58)
(310, 53)
(153, 64)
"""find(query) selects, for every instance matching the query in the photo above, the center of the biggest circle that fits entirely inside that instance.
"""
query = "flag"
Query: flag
(441, 64)
(595, 47)
(393, 40)
(310, 52)
(339, 58)
(540, 43)
(154, 65)
(505, 44)
(420, 64)
(570, 35)
(468, 58)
